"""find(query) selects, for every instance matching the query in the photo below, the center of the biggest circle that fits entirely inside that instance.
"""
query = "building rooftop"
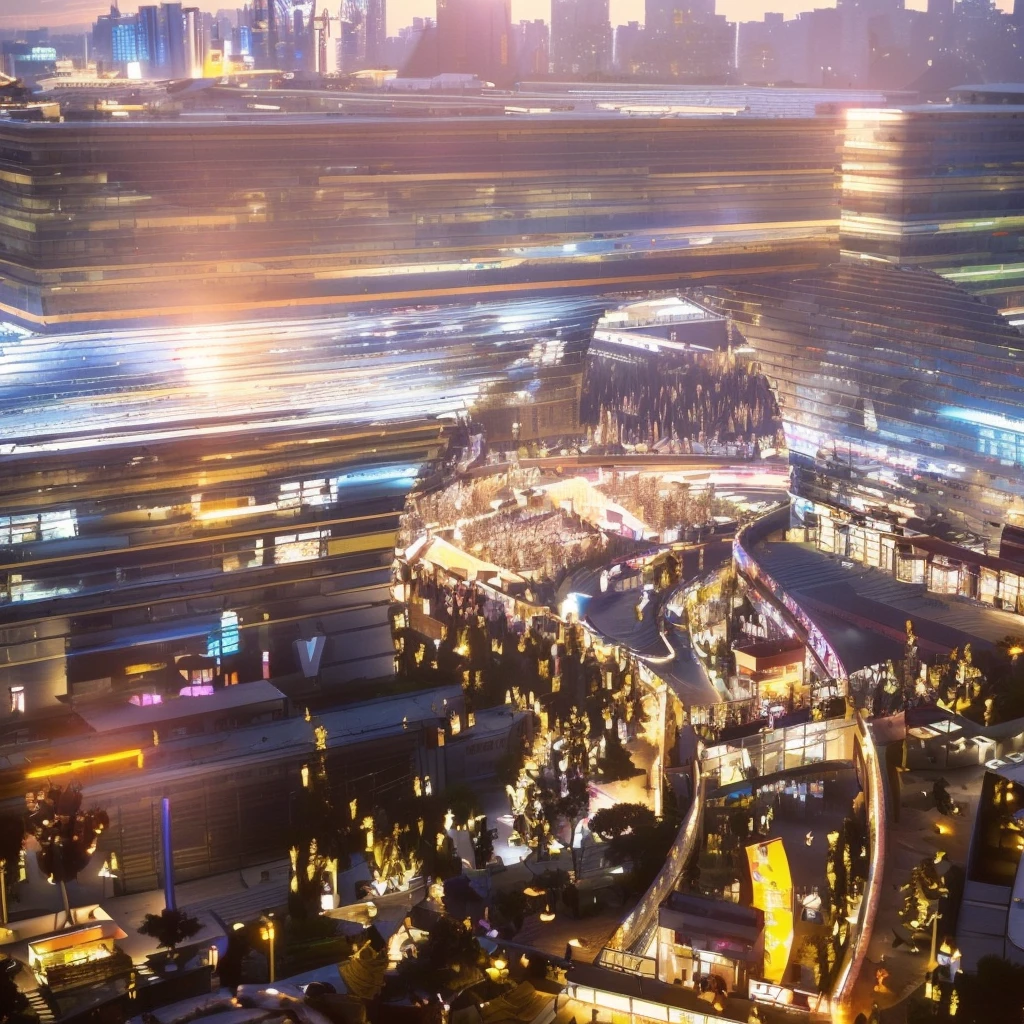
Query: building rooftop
(863, 612)
(541, 101)
(722, 915)
(129, 716)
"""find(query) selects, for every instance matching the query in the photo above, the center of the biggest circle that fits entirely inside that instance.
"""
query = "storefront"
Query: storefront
(703, 941)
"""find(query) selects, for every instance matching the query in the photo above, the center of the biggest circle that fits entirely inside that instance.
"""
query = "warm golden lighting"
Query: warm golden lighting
(67, 767)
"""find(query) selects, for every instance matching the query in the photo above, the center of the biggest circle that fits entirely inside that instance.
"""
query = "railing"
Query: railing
(747, 564)
(781, 750)
(639, 1009)
(628, 963)
(860, 931)
(632, 930)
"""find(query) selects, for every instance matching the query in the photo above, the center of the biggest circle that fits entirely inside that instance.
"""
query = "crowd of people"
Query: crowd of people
(700, 398)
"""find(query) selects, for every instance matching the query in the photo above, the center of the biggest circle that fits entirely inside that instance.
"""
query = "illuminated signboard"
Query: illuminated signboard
(773, 894)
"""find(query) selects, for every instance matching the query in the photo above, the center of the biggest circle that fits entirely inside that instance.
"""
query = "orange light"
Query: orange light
(66, 767)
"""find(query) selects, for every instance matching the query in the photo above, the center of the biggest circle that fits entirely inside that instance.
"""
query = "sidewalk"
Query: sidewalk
(911, 839)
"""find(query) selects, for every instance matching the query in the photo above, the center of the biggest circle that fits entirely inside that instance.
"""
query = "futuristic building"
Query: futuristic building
(220, 217)
(941, 187)
(216, 494)
(901, 395)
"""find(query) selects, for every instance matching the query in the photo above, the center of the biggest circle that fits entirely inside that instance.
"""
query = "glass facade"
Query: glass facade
(155, 481)
(901, 397)
(228, 216)
(940, 187)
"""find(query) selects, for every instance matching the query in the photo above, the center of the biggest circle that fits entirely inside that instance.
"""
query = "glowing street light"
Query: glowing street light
(267, 934)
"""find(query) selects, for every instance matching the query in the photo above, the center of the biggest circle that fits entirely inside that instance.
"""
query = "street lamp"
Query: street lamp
(267, 934)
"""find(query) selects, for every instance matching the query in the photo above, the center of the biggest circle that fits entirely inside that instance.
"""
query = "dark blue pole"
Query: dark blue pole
(165, 828)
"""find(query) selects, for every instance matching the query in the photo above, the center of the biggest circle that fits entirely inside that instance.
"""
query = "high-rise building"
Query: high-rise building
(663, 17)
(354, 26)
(124, 41)
(177, 55)
(28, 61)
(261, 37)
(629, 40)
(376, 31)
(685, 39)
(533, 46)
(292, 31)
(128, 41)
(474, 37)
(900, 396)
(152, 31)
(940, 187)
(204, 235)
(581, 37)
(195, 42)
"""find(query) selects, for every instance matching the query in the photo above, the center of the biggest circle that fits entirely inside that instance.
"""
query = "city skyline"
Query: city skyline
(79, 14)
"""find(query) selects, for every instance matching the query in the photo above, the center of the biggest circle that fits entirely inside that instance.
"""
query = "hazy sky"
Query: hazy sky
(31, 13)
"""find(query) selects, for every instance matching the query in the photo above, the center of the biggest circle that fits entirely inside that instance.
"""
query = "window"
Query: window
(17, 700)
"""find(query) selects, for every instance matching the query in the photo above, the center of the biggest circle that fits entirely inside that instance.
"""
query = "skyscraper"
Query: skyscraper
(533, 46)
(376, 30)
(195, 47)
(154, 39)
(474, 37)
(261, 41)
(628, 46)
(581, 37)
(292, 33)
(118, 40)
(174, 20)
(664, 17)
(354, 23)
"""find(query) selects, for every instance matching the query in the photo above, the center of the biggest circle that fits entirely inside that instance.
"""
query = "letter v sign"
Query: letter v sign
(309, 653)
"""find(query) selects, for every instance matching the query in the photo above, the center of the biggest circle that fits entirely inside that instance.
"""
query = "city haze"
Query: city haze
(81, 13)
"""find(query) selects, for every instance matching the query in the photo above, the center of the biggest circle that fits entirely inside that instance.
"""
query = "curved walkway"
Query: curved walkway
(612, 615)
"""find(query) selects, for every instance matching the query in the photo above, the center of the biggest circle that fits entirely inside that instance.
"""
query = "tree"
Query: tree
(12, 839)
(12, 1000)
(511, 904)
(575, 805)
(170, 927)
(322, 835)
(993, 992)
(616, 763)
(65, 833)
(634, 834)
(450, 957)
(509, 766)
(619, 819)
